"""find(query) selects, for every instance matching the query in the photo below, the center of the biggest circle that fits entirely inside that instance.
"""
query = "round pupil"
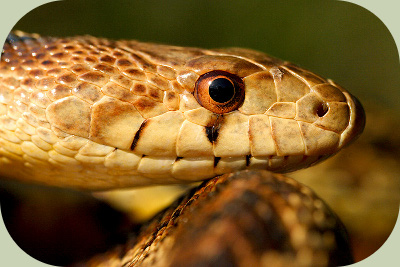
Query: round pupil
(221, 90)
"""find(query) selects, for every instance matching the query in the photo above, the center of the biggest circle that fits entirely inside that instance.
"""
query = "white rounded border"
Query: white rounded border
(385, 10)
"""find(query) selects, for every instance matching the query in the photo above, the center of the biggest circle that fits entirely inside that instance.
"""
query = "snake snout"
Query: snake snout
(356, 122)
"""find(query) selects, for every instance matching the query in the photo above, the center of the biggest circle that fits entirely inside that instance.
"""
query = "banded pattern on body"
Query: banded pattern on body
(93, 113)
(249, 218)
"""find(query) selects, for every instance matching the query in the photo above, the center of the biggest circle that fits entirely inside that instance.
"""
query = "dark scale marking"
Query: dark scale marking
(47, 62)
(171, 96)
(216, 160)
(90, 59)
(178, 159)
(154, 93)
(137, 135)
(209, 133)
(51, 48)
(95, 53)
(124, 63)
(37, 73)
(139, 88)
(277, 239)
(28, 82)
(104, 68)
(248, 157)
(275, 235)
(107, 59)
(69, 47)
(118, 54)
(176, 214)
(144, 104)
(13, 38)
(40, 56)
(213, 131)
(139, 60)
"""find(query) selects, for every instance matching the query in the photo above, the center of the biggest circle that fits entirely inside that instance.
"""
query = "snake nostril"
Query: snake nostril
(322, 109)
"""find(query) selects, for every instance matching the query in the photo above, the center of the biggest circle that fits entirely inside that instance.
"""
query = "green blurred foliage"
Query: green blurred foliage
(335, 39)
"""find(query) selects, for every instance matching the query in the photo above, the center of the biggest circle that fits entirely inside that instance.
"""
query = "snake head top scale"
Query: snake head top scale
(94, 113)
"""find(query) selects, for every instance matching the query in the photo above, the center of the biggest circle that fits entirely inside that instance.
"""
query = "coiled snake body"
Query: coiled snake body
(92, 113)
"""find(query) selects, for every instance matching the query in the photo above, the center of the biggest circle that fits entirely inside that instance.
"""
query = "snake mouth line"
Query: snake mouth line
(186, 168)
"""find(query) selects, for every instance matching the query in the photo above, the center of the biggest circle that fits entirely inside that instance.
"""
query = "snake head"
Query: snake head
(282, 118)
(95, 113)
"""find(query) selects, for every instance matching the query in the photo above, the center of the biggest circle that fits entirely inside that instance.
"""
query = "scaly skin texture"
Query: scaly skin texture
(93, 113)
(249, 218)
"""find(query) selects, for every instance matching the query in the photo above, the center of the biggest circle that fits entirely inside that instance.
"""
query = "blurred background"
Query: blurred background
(334, 39)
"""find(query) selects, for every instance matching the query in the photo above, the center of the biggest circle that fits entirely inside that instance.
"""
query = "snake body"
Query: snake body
(246, 218)
(94, 113)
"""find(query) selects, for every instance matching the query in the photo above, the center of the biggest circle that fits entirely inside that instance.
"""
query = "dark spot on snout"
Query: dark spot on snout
(322, 109)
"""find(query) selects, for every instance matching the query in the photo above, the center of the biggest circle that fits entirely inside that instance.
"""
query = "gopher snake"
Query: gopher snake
(92, 113)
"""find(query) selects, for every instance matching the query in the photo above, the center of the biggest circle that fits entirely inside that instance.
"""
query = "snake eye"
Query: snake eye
(219, 91)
